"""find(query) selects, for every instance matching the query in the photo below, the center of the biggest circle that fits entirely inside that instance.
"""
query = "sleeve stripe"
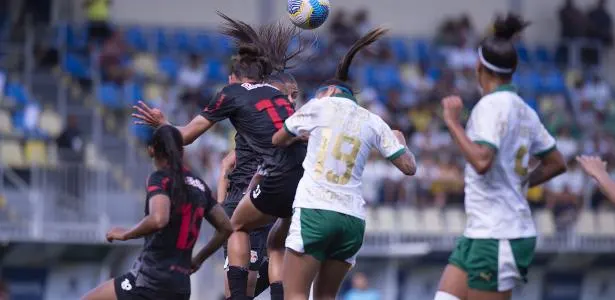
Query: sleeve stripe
(397, 154)
(488, 144)
(545, 152)
(288, 130)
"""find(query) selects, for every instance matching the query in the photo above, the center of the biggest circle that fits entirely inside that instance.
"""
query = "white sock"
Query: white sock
(440, 295)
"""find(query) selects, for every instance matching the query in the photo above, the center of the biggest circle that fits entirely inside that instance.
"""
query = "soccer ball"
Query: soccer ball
(308, 14)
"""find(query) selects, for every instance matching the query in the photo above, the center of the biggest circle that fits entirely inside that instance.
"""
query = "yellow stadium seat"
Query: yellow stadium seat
(6, 124)
(432, 220)
(586, 223)
(606, 222)
(455, 220)
(544, 222)
(386, 219)
(36, 153)
(11, 154)
(153, 92)
(51, 122)
(409, 220)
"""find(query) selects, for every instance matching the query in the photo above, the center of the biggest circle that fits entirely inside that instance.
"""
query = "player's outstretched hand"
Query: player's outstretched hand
(451, 108)
(592, 165)
(116, 233)
(148, 116)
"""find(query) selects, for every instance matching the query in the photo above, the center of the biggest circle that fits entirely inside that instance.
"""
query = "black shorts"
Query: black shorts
(258, 237)
(125, 289)
(275, 194)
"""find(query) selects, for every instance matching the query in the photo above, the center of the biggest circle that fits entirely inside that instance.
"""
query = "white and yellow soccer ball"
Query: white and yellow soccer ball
(308, 14)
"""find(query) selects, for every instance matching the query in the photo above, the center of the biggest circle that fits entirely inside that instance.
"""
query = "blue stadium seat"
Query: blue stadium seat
(16, 91)
(136, 38)
(203, 43)
(76, 37)
(19, 120)
(168, 65)
(543, 55)
(163, 41)
(421, 50)
(434, 73)
(110, 95)
(387, 77)
(553, 82)
(133, 92)
(528, 80)
(524, 54)
(77, 66)
(183, 41)
(531, 102)
(400, 49)
(216, 71)
(223, 45)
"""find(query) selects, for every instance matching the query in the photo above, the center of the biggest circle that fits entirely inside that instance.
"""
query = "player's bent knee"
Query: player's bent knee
(440, 295)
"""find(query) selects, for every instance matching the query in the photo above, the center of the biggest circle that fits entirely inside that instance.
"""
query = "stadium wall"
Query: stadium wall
(414, 17)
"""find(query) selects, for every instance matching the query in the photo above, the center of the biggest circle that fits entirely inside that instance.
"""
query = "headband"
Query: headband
(341, 88)
(491, 66)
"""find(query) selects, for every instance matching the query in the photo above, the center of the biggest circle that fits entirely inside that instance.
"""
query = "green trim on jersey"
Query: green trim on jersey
(397, 154)
(288, 130)
(347, 96)
(505, 88)
(544, 153)
(488, 144)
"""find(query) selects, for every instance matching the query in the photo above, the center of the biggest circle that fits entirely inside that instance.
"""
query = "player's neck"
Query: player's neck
(497, 86)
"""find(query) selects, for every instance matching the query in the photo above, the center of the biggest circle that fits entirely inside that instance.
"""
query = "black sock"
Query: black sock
(237, 282)
(262, 283)
(277, 291)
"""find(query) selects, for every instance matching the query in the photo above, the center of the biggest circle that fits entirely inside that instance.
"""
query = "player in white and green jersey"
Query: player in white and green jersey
(498, 244)
(328, 222)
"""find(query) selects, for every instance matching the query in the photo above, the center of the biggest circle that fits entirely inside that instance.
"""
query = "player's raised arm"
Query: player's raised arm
(228, 164)
(480, 150)
(155, 118)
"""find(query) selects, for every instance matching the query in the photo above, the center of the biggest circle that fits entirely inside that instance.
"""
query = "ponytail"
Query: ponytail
(168, 144)
(497, 52)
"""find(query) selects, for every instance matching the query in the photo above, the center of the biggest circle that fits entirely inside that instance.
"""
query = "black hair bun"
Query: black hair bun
(507, 27)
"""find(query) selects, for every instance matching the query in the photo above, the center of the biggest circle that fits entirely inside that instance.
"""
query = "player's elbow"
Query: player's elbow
(482, 167)
(279, 140)
(160, 221)
(409, 169)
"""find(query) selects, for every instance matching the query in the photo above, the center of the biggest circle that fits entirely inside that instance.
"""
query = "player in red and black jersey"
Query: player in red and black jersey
(176, 203)
(257, 110)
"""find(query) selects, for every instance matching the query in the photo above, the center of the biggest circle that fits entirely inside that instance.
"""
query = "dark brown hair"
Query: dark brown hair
(498, 50)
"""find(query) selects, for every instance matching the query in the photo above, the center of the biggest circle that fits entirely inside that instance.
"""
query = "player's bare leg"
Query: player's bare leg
(275, 252)
(453, 284)
(329, 279)
(245, 219)
(300, 270)
(105, 291)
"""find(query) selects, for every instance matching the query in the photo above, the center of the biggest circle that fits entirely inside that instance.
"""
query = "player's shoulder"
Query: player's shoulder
(158, 175)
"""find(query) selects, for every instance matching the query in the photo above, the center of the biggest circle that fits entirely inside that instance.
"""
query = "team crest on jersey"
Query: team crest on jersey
(256, 192)
(253, 256)
(126, 285)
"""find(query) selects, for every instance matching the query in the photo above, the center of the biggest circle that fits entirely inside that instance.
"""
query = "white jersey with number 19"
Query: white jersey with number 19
(342, 135)
(495, 203)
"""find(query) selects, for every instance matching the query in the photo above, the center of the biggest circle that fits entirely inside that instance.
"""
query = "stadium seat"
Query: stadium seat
(11, 154)
(216, 71)
(169, 66)
(17, 92)
(606, 222)
(409, 220)
(543, 55)
(51, 123)
(586, 223)
(135, 37)
(182, 41)
(203, 43)
(36, 153)
(6, 124)
(523, 53)
(133, 92)
(163, 42)
(152, 91)
(77, 66)
(544, 222)
(432, 220)
(553, 82)
(76, 37)
(385, 217)
(109, 95)
(455, 220)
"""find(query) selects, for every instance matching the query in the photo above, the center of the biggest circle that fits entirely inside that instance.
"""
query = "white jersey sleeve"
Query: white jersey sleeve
(541, 141)
(303, 120)
(386, 142)
(489, 122)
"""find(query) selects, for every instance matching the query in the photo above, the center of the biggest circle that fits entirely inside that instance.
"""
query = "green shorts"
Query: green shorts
(325, 234)
(494, 265)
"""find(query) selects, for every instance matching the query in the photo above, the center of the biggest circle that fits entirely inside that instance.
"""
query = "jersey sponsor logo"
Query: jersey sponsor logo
(195, 183)
(253, 256)
(125, 285)
(256, 192)
(249, 86)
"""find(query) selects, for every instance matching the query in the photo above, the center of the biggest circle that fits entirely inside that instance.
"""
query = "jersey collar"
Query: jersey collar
(346, 96)
(505, 88)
